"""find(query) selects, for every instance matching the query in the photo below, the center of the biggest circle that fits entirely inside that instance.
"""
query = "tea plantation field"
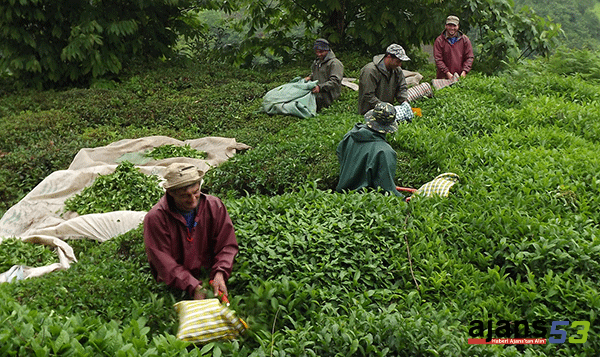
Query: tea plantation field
(514, 248)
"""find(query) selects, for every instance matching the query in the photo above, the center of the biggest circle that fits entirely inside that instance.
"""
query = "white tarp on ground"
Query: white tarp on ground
(38, 217)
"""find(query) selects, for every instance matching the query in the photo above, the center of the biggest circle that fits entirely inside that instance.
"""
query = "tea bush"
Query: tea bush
(323, 273)
(47, 129)
(327, 274)
(32, 332)
(328, 259)
(116, 269)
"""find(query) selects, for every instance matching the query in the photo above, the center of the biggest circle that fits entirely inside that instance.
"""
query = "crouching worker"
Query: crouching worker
(366, 159)
(188, 231)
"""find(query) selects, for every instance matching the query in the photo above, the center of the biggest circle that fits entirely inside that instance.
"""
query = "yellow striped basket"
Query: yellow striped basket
(440, 185)
(202, 321)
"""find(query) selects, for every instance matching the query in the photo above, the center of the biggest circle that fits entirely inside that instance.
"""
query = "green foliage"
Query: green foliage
(339, 280)
(31, 332)
(576, 62)
(221, 40)
(302, 153)
(579, 19)
(167, 151)
(327, 274)
(501, 33)
(106, 278)
(48, 128)
(14, 251)
(46, 43)
(127, 188)
(41, 142)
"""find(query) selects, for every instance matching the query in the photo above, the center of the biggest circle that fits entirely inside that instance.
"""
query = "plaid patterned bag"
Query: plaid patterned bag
(439, 186)
(202, 321)
(441, 83)
(419, 91)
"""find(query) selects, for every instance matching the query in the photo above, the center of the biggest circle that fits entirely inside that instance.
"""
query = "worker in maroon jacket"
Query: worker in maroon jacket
(188, 231)
(452, 51)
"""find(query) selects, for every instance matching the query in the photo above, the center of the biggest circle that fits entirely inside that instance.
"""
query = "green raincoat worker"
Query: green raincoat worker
(366, 159)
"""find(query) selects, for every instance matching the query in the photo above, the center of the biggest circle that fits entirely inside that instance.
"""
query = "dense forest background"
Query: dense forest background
(580, 19)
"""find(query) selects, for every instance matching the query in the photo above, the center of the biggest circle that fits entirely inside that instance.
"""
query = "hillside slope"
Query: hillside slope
(326, 274)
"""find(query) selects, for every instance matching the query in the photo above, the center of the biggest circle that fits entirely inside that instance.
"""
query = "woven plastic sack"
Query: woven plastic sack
(441, 83)
(404, 113)
(202, 321)
(419, 91)
(439, 186)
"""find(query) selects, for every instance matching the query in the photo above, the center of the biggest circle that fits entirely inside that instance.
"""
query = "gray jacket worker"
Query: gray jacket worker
(328, 71)
(382, 80)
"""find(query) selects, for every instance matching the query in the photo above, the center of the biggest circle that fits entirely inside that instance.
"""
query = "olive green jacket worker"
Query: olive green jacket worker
(366, 160)
(329, 73)
(377, 84)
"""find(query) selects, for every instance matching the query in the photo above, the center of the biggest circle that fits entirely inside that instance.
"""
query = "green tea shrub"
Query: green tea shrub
(304, 152)
(578, 62)
(39, 143)
(127, 188)
(33, 332)
(325, 259)
(110, 281)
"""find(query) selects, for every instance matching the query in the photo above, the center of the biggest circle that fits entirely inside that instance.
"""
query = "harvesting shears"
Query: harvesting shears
(223, 297)
(408, 190)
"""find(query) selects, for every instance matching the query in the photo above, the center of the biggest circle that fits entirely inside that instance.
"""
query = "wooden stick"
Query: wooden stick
(406, 189)
(409, 257)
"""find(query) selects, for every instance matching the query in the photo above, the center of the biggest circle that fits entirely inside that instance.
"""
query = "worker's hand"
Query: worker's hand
(463, 74)
(307, 78)
(316, 89)
(218, 284)
(199, 293)
(449, 75)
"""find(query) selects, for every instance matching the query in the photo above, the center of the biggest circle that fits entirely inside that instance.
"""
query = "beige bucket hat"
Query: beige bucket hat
(181, 175)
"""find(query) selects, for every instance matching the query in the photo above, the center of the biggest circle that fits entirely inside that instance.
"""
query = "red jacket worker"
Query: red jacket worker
(188, 231)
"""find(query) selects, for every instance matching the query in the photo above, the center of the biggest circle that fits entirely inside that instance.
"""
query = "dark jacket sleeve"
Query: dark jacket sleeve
(467, 55)
(225, 246)
(368, 82)
(334, 82)
(158, 239)
(402, 94)
(438, 56)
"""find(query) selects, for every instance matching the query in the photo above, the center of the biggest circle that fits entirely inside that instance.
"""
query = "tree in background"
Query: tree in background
(501, 35)
(580, 19)
(61, 42)
(371, 25)
(57, 42)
